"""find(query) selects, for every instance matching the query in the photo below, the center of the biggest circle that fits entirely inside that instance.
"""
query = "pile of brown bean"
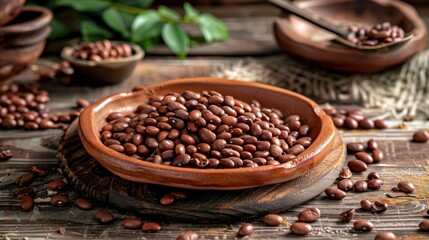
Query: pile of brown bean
(101, 50)
(206, 130)
(381, 33)
(362, 158)
(24, 106)
(353, 119)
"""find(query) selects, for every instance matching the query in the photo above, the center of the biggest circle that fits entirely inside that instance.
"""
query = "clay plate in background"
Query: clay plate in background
(312, 44)
(92, 119)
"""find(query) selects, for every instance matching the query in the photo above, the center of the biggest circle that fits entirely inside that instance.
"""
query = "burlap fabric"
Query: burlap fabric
(396, 93)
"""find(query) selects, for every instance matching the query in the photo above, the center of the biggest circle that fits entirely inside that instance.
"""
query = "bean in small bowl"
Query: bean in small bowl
(103, 62)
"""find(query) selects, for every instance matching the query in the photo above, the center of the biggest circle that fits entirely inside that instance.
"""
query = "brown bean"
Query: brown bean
(131, 223)
(5, 154)
(151, 227)
(188, 235)
(60, 200)
(345, 184)
(360, 186)
(355, 147)
(27, 203)
(350, 123)
(366, 123)
(379, 207)
(380, 124)
(366, 204)
(364, 157)
(38, 171)
(117, 147)
(373, 175)
(246, 229)
(167, 199)
(25, 180)
(295, 150)
(421, 136)
(83, 204)
(375, 183)
(309, 215)
(357, 166)
(363, 225)
(56, 185)
(300, 228)
(372, 145)
(206, 135)
(405, 187)
(104, 217)
(272, 220)
(377, 155)
(385, 236)
(82, 103)
(286, 158)
(424, 225)
(335, 193)
(345, 173)
(347, 215)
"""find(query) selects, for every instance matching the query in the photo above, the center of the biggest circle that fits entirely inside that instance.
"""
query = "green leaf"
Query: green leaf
(114, 20)
(59, 29)
(169, 14)
(92, 32)
(148, 43)
(190, 12)
(84, 5)
(212, 28)
(176, 39)
(146, 25)
(136, 3)
(128, 19)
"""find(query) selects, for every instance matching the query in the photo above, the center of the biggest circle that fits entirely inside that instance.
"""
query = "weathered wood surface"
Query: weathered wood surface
(404, 160)
(205, 206)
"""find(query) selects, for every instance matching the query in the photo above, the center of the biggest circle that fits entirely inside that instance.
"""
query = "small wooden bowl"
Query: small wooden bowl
(23, 40)
(92, 119)
(308, 42)
(105, 72)
(9, 9)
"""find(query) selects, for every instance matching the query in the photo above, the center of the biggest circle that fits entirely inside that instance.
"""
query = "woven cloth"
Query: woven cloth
(396, 93)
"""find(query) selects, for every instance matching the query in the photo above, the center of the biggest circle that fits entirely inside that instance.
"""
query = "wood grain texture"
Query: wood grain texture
(201, 205)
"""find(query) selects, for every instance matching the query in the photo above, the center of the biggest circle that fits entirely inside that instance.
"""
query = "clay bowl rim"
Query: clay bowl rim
(14, 11)
(138, 54)
(312, 156)
(29, 26)
(319, 54)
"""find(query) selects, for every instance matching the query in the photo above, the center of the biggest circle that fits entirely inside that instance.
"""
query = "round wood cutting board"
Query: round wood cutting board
(93, 181)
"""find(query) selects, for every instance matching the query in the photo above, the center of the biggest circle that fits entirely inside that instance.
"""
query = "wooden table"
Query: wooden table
(404, 160)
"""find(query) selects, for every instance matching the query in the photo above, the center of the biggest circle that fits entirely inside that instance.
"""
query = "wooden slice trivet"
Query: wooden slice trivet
(92, 180)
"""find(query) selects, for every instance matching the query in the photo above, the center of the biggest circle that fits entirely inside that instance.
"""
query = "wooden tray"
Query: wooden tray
(95, 182)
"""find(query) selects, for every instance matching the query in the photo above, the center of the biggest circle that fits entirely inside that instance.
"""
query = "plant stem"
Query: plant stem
(128, 9)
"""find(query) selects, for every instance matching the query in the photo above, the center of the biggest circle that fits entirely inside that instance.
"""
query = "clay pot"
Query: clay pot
(9, 9)
(22, 40)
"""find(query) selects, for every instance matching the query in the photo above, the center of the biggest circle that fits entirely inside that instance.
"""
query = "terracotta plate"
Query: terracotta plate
(304, 40)
(92, 120)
